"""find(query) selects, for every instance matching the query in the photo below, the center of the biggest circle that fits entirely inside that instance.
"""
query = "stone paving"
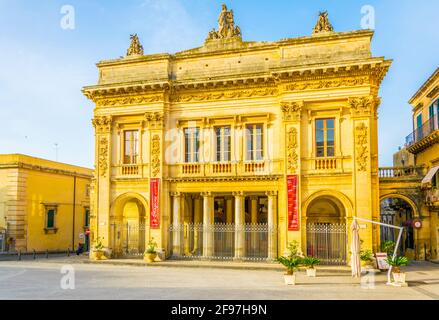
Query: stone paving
(41, 278)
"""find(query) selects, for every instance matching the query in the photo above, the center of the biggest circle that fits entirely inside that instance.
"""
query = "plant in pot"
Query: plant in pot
(366, 257)
(397, 262)
(151, 252)
(388, 246)
(99, 250)
(309, 263)
(291, 263)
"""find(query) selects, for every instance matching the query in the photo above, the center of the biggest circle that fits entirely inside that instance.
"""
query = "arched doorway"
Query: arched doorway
(326, 235)
(398, 211)
(129, 229)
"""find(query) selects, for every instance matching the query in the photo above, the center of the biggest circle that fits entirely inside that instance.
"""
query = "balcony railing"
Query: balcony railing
(130, 170)
(401, 172)
(226, 168)
(427, 128)
(329, 163)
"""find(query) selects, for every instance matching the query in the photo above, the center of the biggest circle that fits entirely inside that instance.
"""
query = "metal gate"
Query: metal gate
(128, 239)
(327, 242)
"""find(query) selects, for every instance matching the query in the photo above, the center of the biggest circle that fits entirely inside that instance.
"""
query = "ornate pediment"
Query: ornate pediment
(226, 26)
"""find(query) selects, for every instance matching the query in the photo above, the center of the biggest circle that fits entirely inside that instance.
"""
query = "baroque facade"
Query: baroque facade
(237, 148)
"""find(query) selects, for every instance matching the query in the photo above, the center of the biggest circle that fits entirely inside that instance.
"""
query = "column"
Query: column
(272, 225)
(254, 220)
(229, 210)
(207, 224)
(198, 223)
(176, 224)
(239, 225)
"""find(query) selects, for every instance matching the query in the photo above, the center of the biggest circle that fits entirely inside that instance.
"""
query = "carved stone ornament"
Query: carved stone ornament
(219, 95)
(361, 149)
(102, 124)
(155, 120)
(226, 26)
(292, 150)
(155, 155)
(103, 156)
(121, 101)
(135, 49)
(291, 110)
(326, 84)
(364, 106)
(323, 24)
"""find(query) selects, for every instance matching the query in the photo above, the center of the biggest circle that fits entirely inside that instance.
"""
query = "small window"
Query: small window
(254, 142)
(191, 144)
(50, 217)
(222, 143)
(87, 217)
(130, 146)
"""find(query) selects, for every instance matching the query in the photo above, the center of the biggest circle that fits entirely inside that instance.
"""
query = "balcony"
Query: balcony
(212, 169)
(424, 136)
(130, 170)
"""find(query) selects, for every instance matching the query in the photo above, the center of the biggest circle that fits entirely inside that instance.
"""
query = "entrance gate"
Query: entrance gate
(327, 242)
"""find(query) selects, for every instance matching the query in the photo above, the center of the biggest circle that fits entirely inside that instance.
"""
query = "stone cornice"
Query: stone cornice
(425, 87)
(21, 165)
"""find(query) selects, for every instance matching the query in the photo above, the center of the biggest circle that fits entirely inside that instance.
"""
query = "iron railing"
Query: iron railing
(128, 239)
(327, 242)
(193, 237)
(420, 133)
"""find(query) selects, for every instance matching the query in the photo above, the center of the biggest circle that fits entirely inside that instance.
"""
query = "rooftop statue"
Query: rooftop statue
(226, 26)
(323, 24)
(135, 47)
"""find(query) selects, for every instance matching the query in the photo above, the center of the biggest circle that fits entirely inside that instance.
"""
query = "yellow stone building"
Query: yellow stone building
(236, 148)
(44, 205)
(423, 143)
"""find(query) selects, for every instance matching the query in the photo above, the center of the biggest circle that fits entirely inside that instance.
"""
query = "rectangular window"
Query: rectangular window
(222, 135)
(431, 111)
(254, 142)
(130, 146)
(87, 217)
(191, 144)
(50, 218)
(325, 138)
(419, 121)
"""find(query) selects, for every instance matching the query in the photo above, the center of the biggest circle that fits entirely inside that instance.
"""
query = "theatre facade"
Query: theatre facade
(235, 149)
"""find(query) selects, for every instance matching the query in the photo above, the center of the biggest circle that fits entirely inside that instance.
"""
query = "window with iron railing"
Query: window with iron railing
(424, 130)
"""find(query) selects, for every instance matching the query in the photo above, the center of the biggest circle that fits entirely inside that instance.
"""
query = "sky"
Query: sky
(43, 66)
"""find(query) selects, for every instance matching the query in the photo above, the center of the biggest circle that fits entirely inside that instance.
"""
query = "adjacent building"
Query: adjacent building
(423, 143)
(44, 205)
(234, 149)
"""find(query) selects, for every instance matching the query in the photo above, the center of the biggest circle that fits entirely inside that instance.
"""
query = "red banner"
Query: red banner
(154, 202)
(293, 214)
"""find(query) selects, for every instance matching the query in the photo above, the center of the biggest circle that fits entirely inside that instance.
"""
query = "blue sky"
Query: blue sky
(43, 67)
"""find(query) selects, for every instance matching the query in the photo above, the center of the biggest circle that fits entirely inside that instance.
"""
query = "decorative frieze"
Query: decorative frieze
(291, 150)
(219, 95)
(103, 155)
(102, 124)
(326, 83)
(291, 110)
(361, 146)
(155, 155)
(129, 100)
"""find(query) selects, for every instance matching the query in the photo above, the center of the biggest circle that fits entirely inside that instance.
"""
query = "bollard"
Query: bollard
(19, 255)
(68, 252)
(35, 254)
(47, 254)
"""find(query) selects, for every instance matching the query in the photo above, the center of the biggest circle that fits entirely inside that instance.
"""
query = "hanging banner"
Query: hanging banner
(154, 207)
(293, 214)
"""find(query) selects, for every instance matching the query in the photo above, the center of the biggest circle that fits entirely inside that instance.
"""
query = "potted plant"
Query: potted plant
(388, 246)
(292, 264)
(151, 252)
(366, 257)
(309, 263)
(98, 250)
(397, 262)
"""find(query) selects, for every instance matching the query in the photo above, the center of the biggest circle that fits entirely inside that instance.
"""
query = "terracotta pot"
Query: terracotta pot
(149, 257)
(311, 272)
(99, 255)
(290, 279)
